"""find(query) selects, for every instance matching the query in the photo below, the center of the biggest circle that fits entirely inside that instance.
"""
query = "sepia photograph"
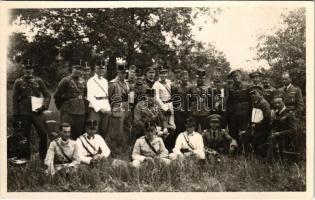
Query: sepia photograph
(158, 98)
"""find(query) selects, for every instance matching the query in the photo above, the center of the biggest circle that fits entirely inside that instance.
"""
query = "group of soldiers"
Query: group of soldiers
(143, 113)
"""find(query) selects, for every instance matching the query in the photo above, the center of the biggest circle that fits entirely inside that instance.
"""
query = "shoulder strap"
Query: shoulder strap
(87, 150)
(62, 151)
(151, 147)
(188, 142)
(89, 143)
(100, 86)
(165, 86)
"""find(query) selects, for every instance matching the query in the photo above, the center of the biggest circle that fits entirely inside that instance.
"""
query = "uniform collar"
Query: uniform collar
(62, 142)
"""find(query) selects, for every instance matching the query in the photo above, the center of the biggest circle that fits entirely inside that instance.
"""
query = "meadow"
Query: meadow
(237, 173)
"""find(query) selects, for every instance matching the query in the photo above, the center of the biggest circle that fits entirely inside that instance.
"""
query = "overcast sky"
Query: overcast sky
(236, 31)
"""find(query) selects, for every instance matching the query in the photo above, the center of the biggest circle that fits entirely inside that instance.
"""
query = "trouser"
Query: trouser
(180, 121)
(102, 121)
(38, 120)
(170, 117)
(257, 144)
(237, 123)
(77, 123)
(201, 121)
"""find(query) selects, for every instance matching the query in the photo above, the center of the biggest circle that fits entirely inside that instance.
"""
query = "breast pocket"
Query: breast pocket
(292, 97)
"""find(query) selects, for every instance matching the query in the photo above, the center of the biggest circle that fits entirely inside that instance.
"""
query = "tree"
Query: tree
(285, 50)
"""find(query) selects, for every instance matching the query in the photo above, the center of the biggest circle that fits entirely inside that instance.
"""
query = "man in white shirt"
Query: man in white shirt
(62, 152)
(163, 96)
(97, 95)
(92, 147)
(188, 143)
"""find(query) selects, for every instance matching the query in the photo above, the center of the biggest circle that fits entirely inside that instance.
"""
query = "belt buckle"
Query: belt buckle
(80, 97)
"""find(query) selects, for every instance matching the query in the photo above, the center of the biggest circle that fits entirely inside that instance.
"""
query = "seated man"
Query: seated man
(62, 152)
(149, 147)
(216, 140)
(92, 147)
(188, 143)
(282, 138)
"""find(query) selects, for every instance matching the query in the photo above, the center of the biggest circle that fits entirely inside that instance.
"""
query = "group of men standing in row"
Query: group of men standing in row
(229, 115)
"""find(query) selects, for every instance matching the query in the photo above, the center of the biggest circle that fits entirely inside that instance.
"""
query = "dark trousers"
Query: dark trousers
(180, 121)
(38, 120)
(237, 123)
(102, 121)
(77, 123)
(201, 121)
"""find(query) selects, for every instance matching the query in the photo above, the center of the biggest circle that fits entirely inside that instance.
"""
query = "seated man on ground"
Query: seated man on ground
(188, 143)
(62, 152)
(92, 146)
(149, 147)
(216, 140)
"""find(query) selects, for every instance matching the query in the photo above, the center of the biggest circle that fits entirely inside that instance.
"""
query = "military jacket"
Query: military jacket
(69, 95)
(218, 96)
(284, 122)
(179, 95)
(268, 93)
(23, 89)
(118, 96)
(198, 100)
(292, 97)
(238, 99)
(217, 140)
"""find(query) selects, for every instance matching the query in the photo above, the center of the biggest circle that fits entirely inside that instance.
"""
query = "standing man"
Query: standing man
(25, 90)
(198, 100)
(292, 96)
(238, 107)
(256, 78)
(164, 96)
(63, 152)
(268, 90)
(118, 98)
(140, 87)
(69, 99)
(150, 76)
(284, 129)
(97, 95)
(259, 131)
(219, 94)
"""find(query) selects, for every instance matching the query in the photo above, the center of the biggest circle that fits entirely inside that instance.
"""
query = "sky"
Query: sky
(236, 32)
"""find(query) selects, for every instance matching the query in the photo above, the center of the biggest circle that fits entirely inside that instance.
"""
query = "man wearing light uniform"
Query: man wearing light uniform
(97, 95)
(92, 147)
(188, 143)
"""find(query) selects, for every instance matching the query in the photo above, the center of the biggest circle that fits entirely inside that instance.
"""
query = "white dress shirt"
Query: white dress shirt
(163, 93)
(98, 88)
(195, 140)
(84, 142)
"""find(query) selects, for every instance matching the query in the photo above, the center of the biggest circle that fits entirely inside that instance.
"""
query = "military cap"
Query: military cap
(201, 72)
(190, 122)
(121, 67)
(17, 124)
(215, 118)
(232, 72)
(254, 74)
(178, 69)
(163, 68)
(28, 65)
(91, 123)
(150, 92)
(150, 69)
(255, 88)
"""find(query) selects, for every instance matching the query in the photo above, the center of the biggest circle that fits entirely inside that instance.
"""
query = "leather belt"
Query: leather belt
(100, 98)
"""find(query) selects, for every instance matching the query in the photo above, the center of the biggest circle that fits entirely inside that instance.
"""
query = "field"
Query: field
(232, 174)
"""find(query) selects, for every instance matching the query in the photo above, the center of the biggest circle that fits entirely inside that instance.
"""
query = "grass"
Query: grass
(233, 174)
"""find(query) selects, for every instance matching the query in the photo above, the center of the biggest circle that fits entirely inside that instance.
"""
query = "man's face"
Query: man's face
(100, 71)
(217, 75)
(131, 74)
(121, 75)
(150, 75)
(236, 77)
(139, 80)
(254, 95)
(163, 75)
(65, 133)
(185, 78)
(256, 80)
(150, 133)
(91, 131)
(278, 103)
(178, 75)
(214, 125)
(200, 80)
(28, 72)
(286, 80)
(265, 82)
(190, 129)
(76, 72)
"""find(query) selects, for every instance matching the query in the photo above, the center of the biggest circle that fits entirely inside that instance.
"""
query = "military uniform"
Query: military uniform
(218, 140)
(269, 92)
(62, 154)
(23, 90)
(69, 99)
(292, 97)
(154, 149)
(284, 123)
(118, 97)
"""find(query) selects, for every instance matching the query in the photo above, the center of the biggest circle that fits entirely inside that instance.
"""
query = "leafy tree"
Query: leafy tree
(286, 49)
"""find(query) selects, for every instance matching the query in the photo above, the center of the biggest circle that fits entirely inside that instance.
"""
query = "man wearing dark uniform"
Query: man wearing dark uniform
(218, 96)
(238, 106)
(198, 100)
(140, 87)
(26, 89)
(69, 99)
(118, 98)
(257, 135)
(268, 90)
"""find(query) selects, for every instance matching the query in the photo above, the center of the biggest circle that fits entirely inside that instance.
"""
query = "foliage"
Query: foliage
(286, 49)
